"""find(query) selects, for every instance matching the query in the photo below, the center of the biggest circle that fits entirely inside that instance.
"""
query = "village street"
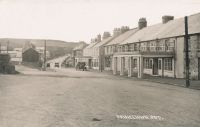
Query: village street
(71, 98)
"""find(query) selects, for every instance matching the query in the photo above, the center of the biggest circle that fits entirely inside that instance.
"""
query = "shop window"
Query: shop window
(56, 64)
(148, 63)
(168, 64)
(48, 64)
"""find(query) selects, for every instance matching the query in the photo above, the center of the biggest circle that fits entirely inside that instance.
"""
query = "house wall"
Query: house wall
(126, 65)
(194, 45)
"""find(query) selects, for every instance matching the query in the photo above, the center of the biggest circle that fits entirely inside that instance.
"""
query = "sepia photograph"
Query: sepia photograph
(100, 63)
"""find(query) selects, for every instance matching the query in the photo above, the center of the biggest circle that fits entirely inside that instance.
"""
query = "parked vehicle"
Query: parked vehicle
(5, 66)
(81, 65)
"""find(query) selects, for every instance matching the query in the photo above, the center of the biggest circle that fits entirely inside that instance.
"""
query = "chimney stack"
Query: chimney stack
(124, 29)
(142, 23)
(98, 38)
(106, 35)
(167, 18)
(93, 40)
(116, 32)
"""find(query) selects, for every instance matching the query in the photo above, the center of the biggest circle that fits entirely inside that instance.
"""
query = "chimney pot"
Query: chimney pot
(106, 35)
(116, 32)
(98, 38)
(142, 23)
(124, 29)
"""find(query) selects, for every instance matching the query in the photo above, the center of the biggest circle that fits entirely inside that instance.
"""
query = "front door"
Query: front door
(90, 63)
(155, 66)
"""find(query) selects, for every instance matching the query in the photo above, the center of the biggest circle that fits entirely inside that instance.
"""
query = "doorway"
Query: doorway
(90, 63)
(155, 66)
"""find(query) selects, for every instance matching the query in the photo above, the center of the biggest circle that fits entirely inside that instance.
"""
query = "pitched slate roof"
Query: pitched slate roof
(91, 45)
(28, 45)
(60, 59)
(122, 37)
(170, 29)
(103, 42)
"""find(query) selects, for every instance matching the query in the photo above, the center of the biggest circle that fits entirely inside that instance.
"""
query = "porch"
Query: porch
(136, 65)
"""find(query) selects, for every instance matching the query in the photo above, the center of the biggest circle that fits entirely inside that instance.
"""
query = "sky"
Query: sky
(81, 20)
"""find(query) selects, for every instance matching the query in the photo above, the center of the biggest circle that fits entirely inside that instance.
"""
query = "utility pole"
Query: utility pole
(187, 60)
(7, 45)
(101, 58)
(0, 47)
(45, 55)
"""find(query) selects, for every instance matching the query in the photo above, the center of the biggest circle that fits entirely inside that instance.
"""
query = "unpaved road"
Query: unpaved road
(73, 99)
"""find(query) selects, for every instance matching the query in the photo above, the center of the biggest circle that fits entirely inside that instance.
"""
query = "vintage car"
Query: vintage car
(81, 65)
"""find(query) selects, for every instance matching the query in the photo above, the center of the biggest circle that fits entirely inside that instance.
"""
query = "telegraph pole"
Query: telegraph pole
(45, 55)
(187, 60)
(7, 45)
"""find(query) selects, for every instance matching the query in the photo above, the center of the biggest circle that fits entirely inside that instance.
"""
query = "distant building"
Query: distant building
(77, 52)
(18, 49)
(40, 50)
(16, 57)
(60, 62)
(98, 55)
(110, 48)
(3, 48)
(29, 54)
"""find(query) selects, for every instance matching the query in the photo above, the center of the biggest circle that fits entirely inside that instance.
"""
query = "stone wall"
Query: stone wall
(194, 55)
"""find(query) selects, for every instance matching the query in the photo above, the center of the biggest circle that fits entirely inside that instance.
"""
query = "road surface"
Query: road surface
(69, 98)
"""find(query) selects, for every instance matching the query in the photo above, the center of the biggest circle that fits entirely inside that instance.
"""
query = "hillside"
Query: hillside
(56, 47)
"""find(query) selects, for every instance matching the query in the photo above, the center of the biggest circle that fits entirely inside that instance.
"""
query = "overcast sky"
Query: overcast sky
(76, 20)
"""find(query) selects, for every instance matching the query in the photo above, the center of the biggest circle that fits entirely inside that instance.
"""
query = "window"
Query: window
(115, 49)
(152, 46)
(148, 63)
(56, 64)
(161, 46)
(168, 64)
(169, 46)
(106, 50)
(97, 62)
(131, 47)
(135, 47)
(126, 48)
(123, 48)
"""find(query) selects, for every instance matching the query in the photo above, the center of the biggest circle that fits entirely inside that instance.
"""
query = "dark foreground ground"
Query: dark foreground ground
(72, 98)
